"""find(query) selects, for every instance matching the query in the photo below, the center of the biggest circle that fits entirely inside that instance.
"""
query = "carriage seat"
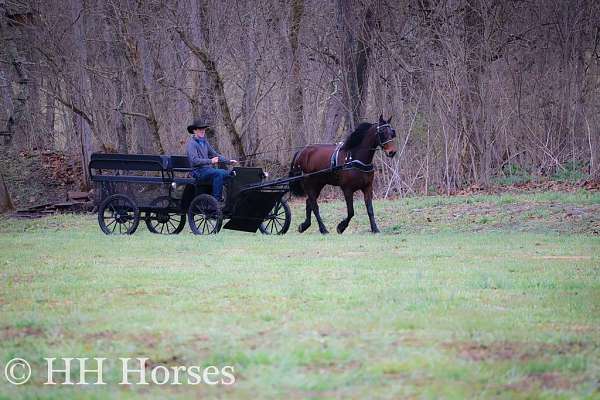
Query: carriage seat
(181, 164)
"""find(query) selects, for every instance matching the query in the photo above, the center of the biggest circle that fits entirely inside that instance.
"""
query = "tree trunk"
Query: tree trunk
(120, 123)
(332, 117)
(249, 119)
(144, 102)
(213, 73)
(355, 48)
(5, 201)
(20, 88)
(295, 94)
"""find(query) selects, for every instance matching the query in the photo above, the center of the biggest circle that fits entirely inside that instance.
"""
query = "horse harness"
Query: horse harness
(380, 137)
(348, 163)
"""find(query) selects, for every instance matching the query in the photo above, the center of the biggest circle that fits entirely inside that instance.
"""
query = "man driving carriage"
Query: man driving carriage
(204, 159)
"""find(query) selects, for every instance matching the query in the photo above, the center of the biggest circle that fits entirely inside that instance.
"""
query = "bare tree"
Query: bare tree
(296, 96)
(219, 91)
(479, 90)
(5, 201)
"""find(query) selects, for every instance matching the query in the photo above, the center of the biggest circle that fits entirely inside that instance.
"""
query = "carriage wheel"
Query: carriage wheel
(278, 221)
(162, 221)
(204, 215)
(118, 215)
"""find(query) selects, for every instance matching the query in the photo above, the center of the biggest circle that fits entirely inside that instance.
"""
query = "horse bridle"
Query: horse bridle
(380, 134)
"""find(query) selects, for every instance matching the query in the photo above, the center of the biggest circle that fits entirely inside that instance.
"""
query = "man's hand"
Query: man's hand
(233, 161)
(214, 160)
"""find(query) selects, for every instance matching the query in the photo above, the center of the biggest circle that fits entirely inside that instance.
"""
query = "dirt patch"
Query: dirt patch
(11, 333)
(521, 351)
(173, 361)
(578, 328)
(140, 292)
(333, 367)
(53, 303)
(147, 339)
(573, 258)
(547, 380)
(20, 278)
(102, 335)
(410, 341)
(494, 351)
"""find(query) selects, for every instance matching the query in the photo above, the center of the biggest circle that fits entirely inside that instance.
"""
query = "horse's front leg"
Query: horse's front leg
(349, 196)
(306, 224)
(368, 195)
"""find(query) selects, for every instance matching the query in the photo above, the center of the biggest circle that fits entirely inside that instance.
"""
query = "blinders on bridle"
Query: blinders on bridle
(381, 134)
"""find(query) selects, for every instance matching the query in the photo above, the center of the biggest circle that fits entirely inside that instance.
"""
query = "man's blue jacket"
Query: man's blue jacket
(199, 153)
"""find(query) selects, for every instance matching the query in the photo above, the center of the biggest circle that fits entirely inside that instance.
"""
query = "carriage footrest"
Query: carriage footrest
(251, 208)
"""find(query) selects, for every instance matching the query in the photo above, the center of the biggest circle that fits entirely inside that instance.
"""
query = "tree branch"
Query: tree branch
(70, 105)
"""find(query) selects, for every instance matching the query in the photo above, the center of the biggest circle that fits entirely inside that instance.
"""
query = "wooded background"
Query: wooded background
(479, 90)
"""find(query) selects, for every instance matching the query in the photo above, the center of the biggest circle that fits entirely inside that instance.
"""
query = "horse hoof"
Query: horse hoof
(376, 230)
(302, 228)
(340, 229)
(325, 232)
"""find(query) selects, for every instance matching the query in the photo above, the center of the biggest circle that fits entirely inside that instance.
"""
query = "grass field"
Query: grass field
(461, 297)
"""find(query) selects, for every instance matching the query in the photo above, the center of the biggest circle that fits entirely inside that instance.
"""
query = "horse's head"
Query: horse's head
(386, 135)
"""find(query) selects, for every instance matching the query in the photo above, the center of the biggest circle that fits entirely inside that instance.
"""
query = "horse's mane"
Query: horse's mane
(356, 137)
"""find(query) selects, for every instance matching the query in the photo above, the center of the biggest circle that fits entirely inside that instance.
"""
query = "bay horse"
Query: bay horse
(359, 147)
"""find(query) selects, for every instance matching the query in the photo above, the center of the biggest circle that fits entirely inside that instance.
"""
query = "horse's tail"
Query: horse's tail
(296, 185)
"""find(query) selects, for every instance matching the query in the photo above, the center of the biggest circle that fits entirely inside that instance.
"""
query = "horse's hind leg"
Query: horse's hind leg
(304, 226)
(313, 195)
(349, 196)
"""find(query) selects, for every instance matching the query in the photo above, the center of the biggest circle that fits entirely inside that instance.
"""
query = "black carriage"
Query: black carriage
(160, 191)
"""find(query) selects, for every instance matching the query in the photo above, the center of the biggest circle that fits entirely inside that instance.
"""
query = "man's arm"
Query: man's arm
(193, 158)
(213, 153)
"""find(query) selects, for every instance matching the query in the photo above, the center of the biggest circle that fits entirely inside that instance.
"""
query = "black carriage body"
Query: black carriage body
(146, 178)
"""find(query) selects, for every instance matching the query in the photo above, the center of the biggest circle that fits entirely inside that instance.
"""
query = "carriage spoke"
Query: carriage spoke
(210, 226)
(278, 222)
(200, 222)
(268, 225)
(280, 218)
(173, 225)
(275, 226)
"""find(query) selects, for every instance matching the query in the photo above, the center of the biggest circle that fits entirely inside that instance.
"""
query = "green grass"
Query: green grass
(461, 297)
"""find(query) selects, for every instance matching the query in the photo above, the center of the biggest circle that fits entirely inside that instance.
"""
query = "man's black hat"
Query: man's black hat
(198, 123)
